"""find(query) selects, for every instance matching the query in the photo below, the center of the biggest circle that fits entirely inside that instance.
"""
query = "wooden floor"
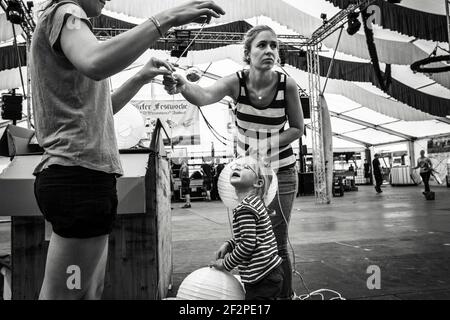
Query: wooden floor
(407, 237)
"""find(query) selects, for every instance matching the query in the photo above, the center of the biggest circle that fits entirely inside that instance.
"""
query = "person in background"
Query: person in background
(185, 184)
(377, 173)
(426, 168)
(207, 178)
(367, 172)
(217, 172)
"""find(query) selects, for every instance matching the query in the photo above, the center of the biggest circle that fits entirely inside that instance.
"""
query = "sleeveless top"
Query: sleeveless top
(256, 124)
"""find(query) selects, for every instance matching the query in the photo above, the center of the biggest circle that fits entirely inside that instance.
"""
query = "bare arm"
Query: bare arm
(100, 60)
(129, 89)
(200, 96)
(294, 113)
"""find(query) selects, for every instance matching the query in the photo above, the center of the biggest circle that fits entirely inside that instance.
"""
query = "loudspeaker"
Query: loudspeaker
(12, 106)
(306, 183)
(305, 107)
(304, 151)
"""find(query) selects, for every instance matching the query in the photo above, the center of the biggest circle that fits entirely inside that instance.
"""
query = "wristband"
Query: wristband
(157, 25)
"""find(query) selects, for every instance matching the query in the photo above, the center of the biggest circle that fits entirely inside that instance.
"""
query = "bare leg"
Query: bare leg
(68, 258)
(188, 199)
(95, 291)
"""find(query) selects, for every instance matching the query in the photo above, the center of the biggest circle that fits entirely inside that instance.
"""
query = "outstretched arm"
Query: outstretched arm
(129, 89)
(201, 96)
(100, 60)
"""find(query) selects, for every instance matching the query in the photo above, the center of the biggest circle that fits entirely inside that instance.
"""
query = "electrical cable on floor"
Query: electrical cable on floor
(294, 271)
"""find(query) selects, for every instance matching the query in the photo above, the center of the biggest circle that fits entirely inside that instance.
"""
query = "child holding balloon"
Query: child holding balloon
(253, 249)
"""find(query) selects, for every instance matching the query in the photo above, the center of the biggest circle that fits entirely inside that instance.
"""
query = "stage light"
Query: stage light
(14, 12)
(323, 16)
(353, 23)
(11, 108)
(30, 5)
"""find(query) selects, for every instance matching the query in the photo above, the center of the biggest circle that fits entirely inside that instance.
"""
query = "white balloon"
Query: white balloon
(210, 284)
(228, 193)
(129, 126)
(193, 74)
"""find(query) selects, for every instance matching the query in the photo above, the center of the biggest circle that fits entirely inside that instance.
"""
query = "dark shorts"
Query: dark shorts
(78, 202)
(268, 288)
(185, 186)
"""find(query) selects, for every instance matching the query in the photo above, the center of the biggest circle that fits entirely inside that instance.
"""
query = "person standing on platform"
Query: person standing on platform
(185, 184)
(377, 173)
(426, 168)
(269, 118)
(73, 106)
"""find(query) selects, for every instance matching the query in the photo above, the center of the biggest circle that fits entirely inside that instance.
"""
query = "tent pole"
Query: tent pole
(447, 11)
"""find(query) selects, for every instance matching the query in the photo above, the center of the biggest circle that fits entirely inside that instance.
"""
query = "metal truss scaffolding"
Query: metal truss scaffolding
(447, 12)
(320, 181)
(312, 45)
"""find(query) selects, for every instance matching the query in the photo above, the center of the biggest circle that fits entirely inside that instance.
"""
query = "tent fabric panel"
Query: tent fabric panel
(370, 116)
(365, 97)
(408, 21)
(373, 136)
(342, 126)
(363, 72)
(420, 129)
(9, 58)
(340, 104)
(6, 31)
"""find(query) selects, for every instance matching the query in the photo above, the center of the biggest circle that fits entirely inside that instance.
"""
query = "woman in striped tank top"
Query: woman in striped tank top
(266, 101)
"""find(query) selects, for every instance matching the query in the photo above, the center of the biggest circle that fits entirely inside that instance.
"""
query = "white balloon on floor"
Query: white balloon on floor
(129, 126)
(228, 194)
(210, 284)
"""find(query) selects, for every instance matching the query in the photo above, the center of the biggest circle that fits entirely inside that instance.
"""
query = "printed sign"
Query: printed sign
(179, 118)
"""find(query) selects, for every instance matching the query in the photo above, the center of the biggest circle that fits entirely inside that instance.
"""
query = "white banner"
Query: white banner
(180, 119)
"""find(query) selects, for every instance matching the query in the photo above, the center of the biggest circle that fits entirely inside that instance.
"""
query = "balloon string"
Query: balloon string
(191, 43)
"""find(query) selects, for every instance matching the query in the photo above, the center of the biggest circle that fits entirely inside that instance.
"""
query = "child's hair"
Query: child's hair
(264, 172)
